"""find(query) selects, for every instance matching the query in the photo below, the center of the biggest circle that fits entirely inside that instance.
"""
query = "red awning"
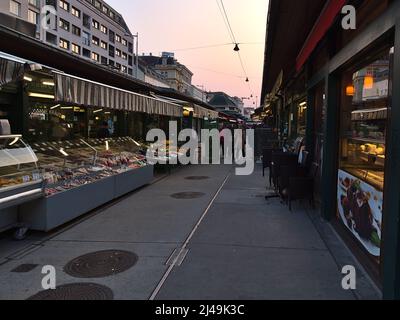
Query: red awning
(322, 25)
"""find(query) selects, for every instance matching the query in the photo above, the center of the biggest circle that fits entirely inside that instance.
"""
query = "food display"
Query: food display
(364, 152)
(72, 164)
(18, 163)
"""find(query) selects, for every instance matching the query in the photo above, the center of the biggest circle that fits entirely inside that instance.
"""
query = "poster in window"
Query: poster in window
(360, 209)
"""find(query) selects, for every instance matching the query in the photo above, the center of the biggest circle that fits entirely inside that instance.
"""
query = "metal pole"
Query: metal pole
(137, 54)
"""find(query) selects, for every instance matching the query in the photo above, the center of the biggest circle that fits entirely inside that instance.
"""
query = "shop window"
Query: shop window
(362, 151)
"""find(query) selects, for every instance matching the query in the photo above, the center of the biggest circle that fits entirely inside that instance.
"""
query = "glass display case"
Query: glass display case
(70, 164)
(20, 176)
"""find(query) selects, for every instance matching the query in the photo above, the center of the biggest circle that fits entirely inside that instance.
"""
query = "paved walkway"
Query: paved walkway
(243, 247)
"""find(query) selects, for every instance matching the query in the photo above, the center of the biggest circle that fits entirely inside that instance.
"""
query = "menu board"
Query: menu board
(360, 208)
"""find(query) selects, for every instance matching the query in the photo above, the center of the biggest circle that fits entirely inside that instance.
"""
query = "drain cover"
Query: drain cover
(197, 178)
(101, 264)
(24, 268)
(187, 195)
(76, 291)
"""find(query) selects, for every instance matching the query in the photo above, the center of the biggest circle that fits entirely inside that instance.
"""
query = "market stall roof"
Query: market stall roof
(75, 90)
(289, 24)
(199, 111)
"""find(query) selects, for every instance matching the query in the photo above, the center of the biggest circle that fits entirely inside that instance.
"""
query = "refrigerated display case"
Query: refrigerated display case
(82, 175)
(20, 178)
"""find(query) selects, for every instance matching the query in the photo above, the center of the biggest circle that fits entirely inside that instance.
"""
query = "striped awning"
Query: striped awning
(10, 71)
(74, 90)
(200, 112)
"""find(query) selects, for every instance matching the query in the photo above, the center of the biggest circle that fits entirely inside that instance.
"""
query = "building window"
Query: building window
(76, 12)
(64, 4)
(95, 41)
(76, 31)
(104, 60)
(75, 48)
(124, 42)
(15, 8)
(95, 57)
(86, 53)
(111, 36)
(105, 10)
(35, 3)
(51, 38)
(86, 38)
(130, 71)
(118, 65)
(97, 4)
(64, 44)
(130, 60)
(118, 53)
(124, 69)
(111, 62)
(86, 21)
(64, 24)
(103, 45)
(130, 47)
(111, 51)
(95, 24)
(33, 17)
(104, 29)
(118, 38)
(124, 56)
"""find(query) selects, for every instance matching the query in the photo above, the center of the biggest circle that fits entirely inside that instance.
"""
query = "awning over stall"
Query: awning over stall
(10, 71)
(200, 112)
(74, 90)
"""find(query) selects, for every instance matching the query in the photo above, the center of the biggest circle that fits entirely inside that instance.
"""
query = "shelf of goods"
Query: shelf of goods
(20, 178)
(82, 175)
(366, 146)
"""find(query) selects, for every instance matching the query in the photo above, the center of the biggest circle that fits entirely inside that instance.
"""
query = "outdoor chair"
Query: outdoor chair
(267, 160)
(300, 187)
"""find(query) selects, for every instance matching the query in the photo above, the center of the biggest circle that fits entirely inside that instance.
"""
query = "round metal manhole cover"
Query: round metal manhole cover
(197, 178)
(101, 264)
(76, 291)
(187, 195)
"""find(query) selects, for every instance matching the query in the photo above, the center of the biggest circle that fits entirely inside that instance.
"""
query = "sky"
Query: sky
(177, 25)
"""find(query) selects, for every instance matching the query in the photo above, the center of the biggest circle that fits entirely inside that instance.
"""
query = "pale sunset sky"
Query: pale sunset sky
(173, 25)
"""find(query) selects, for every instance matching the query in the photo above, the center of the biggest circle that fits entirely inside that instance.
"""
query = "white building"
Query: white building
(90, 29)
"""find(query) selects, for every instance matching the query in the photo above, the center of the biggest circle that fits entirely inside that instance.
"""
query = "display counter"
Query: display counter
(82, 175)
(20, 178)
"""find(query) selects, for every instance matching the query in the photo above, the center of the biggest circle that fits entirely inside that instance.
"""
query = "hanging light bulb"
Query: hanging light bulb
(236, 47)
(247, 80)
(251, 96)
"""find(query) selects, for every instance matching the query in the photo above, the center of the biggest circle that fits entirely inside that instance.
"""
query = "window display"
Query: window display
(362, 151)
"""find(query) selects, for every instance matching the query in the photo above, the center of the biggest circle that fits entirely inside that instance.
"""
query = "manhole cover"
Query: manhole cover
(76, 291)
(197, 178)
(101, 264)
(24, 268)
(187, 195)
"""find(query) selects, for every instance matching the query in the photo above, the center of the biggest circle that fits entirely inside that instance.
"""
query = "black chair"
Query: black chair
(302, 187)
(267, 160)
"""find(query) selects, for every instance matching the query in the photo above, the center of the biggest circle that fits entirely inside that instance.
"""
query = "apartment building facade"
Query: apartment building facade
(90, 29)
